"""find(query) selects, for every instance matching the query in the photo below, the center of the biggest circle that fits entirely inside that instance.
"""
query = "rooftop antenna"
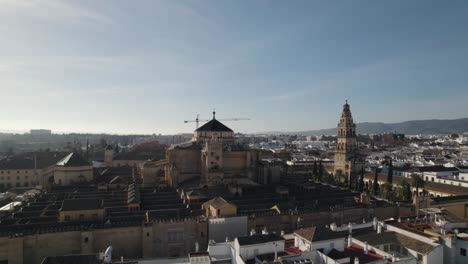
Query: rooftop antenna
(214, 114)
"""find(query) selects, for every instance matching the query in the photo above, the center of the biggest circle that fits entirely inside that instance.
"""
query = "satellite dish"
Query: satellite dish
(108, 255)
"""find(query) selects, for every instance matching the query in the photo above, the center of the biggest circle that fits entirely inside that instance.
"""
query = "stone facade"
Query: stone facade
(347, 156)
(167, 238)
(212, 156)
(158, 239)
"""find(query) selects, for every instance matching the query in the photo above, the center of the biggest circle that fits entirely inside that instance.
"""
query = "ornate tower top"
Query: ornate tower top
(346, 117)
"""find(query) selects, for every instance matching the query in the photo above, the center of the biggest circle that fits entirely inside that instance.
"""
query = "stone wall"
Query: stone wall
(158, 239)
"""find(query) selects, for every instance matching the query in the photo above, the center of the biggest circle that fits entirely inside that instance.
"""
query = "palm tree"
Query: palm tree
(417, 182)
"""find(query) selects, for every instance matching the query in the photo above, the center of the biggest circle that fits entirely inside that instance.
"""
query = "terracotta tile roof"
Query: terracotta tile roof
(82, 204)
(216, 202)
(258, 239)
(313, 234)
(27, 161)
(375, 239)
(73, 159)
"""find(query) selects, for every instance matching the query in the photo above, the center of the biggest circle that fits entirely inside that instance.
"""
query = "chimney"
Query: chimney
(366, 248)
(227, 239)
(374, 223)
(356, 260)
(252, 232)
(197, 247)
(393, 258)
(350, 228)
(264, 231)
(350, 240)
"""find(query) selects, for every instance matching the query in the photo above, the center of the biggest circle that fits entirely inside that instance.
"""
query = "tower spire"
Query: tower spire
(214, 114)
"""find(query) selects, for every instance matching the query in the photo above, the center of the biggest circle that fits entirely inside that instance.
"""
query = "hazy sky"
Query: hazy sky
(145, 66)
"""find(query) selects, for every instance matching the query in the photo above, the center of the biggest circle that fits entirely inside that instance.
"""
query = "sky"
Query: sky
(126, 67)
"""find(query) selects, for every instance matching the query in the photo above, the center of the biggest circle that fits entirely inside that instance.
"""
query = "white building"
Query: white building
(319, 238)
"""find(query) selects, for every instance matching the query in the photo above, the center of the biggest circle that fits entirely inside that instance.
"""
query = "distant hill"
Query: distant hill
(433, 126)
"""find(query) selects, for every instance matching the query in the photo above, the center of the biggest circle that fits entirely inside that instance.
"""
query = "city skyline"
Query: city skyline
(124, 68)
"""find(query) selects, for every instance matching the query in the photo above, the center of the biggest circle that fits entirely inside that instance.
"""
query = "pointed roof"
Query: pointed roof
(74, 159)
(109, 147)
(346, 110)
(217, 202)
(214, 125)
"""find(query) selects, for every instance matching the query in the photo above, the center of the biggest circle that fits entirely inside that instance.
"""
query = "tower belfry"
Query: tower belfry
(347, 158)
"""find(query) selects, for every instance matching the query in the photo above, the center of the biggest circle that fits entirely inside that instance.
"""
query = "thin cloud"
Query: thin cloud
(51, 10)
(339, 81)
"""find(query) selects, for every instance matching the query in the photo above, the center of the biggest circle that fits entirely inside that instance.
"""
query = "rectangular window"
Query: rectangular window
(463, 252)
(81, 217)
(67, 218)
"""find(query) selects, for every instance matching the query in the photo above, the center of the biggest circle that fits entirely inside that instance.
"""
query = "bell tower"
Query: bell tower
(346, 152)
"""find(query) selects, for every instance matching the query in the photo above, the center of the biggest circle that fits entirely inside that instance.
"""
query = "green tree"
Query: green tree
(387, 191)
(320, 171)
(390, 173)
(314, 170)
(361, 181)
(103, 142)
(407, 192)
(417, 182)
(376, 182)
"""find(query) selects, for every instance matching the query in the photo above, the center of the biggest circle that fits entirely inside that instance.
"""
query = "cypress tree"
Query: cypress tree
(320, 171)
(314, 171)
(376, 182)
(390, 173)
(361, 181)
